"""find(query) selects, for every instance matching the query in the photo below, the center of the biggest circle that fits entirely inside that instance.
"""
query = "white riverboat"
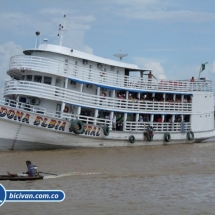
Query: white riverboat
(60, 96)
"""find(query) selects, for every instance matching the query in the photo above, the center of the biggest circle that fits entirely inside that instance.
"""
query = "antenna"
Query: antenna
(120, 56)
(45, 40)
(37, 34)
(62, 29)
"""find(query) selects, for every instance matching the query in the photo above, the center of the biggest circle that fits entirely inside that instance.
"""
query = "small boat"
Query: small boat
(15, 177)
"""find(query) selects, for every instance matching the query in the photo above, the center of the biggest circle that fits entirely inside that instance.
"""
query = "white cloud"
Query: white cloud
(155, 65)
(169, 16)
(159, 10)
(212, 70)
(77, 25)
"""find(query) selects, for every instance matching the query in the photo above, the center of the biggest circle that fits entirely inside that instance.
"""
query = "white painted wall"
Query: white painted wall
(202, 122)
(203, 102)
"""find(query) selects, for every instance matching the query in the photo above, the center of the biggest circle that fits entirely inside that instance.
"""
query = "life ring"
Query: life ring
(102, 74)
(190, 135)
(66, 109)
(77, 126)
(149, 137)
(167, 136)
(132, 139)
(106, 130)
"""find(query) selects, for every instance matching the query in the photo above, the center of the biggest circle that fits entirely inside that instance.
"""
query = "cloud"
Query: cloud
(155, 65)
(159, 11)
(212, 70)
(77, 25)
(169, 16)
(7, 50)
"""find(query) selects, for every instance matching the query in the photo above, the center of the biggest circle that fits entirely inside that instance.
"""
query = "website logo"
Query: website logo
(2, 195)
(30, 195)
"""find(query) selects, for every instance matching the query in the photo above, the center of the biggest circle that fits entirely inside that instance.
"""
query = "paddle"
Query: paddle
(47, 173)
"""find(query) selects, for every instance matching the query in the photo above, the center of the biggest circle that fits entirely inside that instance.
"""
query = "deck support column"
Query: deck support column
(124, 121)
(63, 104)
(152, 118)
(173, 122)
(95, 115)
(136, 120)
(66, 83)
(162, 122)
(81, 87)
(126, 97)
(174, 97)
(17, 101)
(113, 93)
(111, 117)
(98, 94)
(78, 111)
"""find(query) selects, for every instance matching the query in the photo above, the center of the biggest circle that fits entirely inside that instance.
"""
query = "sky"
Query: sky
(171, 37)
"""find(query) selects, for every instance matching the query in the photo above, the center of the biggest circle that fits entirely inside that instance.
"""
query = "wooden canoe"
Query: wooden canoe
(14, 177)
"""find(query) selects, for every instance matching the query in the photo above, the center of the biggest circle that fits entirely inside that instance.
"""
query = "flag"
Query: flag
(203, 67)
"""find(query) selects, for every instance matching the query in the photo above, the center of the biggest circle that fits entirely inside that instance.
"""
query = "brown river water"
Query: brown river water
(173, 179)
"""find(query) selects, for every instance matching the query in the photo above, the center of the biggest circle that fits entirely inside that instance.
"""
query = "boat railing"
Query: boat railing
(158, 126)
(40, 90)
(94, 121)
(107, 78)
(11, 103)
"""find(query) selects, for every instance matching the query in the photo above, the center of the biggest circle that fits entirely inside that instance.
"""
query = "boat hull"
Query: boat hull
(23, 130)
(21, 136)
(19, 178)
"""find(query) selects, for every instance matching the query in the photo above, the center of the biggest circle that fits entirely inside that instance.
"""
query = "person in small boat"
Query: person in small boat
(30, 169)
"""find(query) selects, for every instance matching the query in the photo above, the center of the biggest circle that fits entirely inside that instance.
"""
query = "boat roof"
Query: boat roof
(82, 55)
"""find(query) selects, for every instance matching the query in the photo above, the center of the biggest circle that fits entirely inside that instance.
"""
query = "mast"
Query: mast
(62, 29)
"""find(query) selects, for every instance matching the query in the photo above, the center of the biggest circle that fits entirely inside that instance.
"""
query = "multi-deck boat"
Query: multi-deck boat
(65, 97)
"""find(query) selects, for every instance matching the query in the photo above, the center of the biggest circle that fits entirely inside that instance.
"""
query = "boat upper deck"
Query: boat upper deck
(100, 78)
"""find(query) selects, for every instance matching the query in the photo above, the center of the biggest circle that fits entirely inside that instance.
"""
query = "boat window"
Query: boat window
(23, 77)
(72, 82)
(57, 82)
(29, 77)
(37, 78)
(66, 60)
(85, 61)
(187, 118)
(111, 68)
(58, 107)
(47, 80)
(99, 65)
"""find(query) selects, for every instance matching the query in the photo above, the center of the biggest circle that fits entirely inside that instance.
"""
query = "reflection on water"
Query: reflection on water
(175, 179)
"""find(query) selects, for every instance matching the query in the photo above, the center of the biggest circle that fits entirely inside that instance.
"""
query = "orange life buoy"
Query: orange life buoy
(66, 109)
